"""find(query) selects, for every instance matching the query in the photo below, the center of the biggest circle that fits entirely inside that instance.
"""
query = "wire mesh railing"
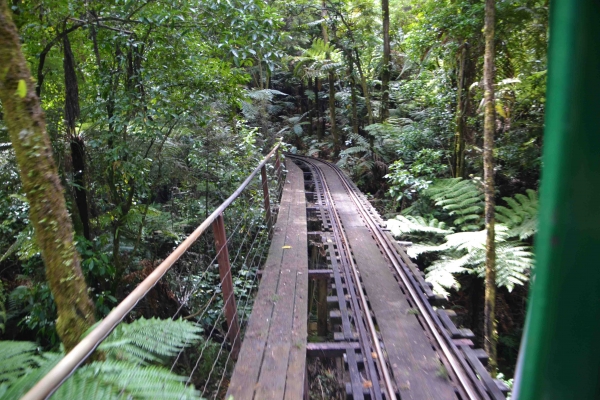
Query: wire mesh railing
(213, 288)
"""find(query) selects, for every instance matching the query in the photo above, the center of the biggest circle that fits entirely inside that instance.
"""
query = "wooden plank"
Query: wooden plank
(491, 386)
(288, 325)
(414, 364)
(296, 371)
(356, 384)
(248, 368)
(330, 349)
(445, 318)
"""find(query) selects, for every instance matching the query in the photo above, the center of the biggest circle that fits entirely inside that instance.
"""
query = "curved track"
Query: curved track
(461, 363)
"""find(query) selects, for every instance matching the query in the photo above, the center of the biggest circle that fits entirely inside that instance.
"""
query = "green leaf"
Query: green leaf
(22, 88)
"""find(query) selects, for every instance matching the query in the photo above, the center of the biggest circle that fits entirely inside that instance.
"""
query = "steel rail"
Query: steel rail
(387, 380)
(67, 366)
(352, 286)
(450, 355)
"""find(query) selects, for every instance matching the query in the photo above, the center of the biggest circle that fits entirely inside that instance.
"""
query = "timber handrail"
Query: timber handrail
(67, 366)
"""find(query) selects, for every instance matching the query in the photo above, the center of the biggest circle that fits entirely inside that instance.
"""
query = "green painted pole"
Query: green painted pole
(560, 351)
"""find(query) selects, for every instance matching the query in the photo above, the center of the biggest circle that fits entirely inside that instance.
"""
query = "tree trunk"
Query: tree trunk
(48, 211)
(352, 82)
(365, 88)
(318, 110)
(331, 78)
(78, 162)
(488, 173)
(461, 103)
(310, 108)
(384, 112)
(334, 132)
(72, 112)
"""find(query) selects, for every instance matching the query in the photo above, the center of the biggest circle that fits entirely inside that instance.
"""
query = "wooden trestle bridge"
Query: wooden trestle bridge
(385, 325)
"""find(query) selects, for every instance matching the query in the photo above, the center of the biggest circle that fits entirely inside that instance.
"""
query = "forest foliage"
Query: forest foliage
(158, 110)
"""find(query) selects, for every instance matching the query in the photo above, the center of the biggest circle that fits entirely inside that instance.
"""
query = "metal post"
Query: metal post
(560, 354)
(265, 186)
(227, 285)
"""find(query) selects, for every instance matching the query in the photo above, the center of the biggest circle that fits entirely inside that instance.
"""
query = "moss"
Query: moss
(48, 213)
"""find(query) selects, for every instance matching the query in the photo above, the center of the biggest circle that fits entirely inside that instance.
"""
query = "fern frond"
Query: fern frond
(264, 94)
(124, 378)
(461, 198)
(30, 376)
(133, 342)
(16, 358)
(402, 225)
(465, 252)
(520, 215)
(441, 273)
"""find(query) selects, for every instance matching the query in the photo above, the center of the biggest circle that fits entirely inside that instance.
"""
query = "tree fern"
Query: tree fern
(317, 60)
(358, 145)
(462, 198)
(521, 214)
(126, 372)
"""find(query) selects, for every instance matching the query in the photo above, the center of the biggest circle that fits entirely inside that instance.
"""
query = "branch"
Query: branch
(110, 28)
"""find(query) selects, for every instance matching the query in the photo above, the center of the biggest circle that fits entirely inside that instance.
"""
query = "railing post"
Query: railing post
(227, 285)
(265, 186)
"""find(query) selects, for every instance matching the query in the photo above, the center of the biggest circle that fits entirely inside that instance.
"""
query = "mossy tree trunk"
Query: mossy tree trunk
(488, 174)
(384, 112)
(48, 212)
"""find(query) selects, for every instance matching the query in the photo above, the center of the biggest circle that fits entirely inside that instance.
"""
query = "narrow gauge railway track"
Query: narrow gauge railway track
(355, 316)
(462, 364)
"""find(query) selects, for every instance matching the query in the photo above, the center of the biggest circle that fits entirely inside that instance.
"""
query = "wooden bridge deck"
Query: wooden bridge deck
(272, 360)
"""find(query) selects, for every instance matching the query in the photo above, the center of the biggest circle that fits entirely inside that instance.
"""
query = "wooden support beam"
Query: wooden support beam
(322, 307)
(227, 285)
(312, 273)
(330, 349)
